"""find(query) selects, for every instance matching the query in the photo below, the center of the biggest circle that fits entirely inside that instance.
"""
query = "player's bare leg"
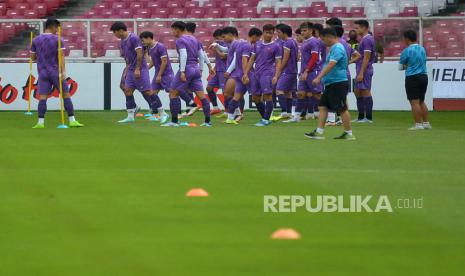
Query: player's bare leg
(425, 115)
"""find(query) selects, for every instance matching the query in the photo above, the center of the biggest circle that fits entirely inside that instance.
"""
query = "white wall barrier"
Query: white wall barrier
(87, 82)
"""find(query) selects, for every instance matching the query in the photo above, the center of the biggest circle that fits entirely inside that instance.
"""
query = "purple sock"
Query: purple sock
(305, 105)
(130, 102)
(155, 102)
(42, 108)
(147, 99)
(187, 97)
(310, 105)
(282, 103)
(175, 108)
(369, 107)
(289, 102)
(360, 108)
(213, 99)
(294, 102)
(206, 109)
(68, 106)
(242, 104)
(233, 105)
(316, 102)
(300, 105)
(227, 101)
(268, 109)
(261, 108)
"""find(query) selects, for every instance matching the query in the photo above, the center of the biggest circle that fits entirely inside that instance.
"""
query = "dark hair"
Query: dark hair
(363, 23)
(218, 32)
(52, 22)
(179, 25)
(118, 26)
(334, 21)
(411, 35)
(255, 32)
(190, 27)
(285, 29)
(146, 34)
(317, 27)
(268, 27)
(298, 31)
(328, 31)
(306, 25)
(339, 30)
(230, 30)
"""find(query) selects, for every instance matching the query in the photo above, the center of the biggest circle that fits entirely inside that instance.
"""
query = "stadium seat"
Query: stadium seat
(267, 13)
(214, 13)
(304, 12)
(284, 13)
(249, 12)
(196, 12)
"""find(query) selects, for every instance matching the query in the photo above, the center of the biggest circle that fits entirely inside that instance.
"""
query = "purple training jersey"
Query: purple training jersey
(323, 53)
(242, 49)
(190, 43)
(156, 53)
(220, 64)
(45, 46)
(265, 57)
(231, 52)
(128, 50)
(309, 47)
(291, 65)
(349, 51)
(366, 45)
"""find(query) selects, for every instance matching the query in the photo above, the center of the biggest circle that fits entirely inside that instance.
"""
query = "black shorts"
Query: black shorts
(335, 96)
(416, 87)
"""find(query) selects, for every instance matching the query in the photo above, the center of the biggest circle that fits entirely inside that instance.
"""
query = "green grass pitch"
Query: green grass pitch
(109, 199)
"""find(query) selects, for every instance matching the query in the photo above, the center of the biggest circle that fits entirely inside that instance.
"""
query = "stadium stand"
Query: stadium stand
(442, 38)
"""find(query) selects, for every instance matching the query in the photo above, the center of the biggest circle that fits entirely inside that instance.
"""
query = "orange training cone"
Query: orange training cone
(197, 192)
(285, 234)
(139, 115)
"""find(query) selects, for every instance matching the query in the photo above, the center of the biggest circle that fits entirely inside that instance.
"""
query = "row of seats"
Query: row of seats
(263, 9)
(28, 9)
(441, 38)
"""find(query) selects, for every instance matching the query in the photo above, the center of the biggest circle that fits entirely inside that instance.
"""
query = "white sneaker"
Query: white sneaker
(285, 115)
(310, 116)
(294, 119)
(164, 118)
(417, 127)
(127, 120)
(170, 124)
(427, 126)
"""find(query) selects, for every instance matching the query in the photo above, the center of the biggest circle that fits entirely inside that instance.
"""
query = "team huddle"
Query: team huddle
(264, 66)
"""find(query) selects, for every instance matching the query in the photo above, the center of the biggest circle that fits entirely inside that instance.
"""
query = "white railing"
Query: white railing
(417, 23)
